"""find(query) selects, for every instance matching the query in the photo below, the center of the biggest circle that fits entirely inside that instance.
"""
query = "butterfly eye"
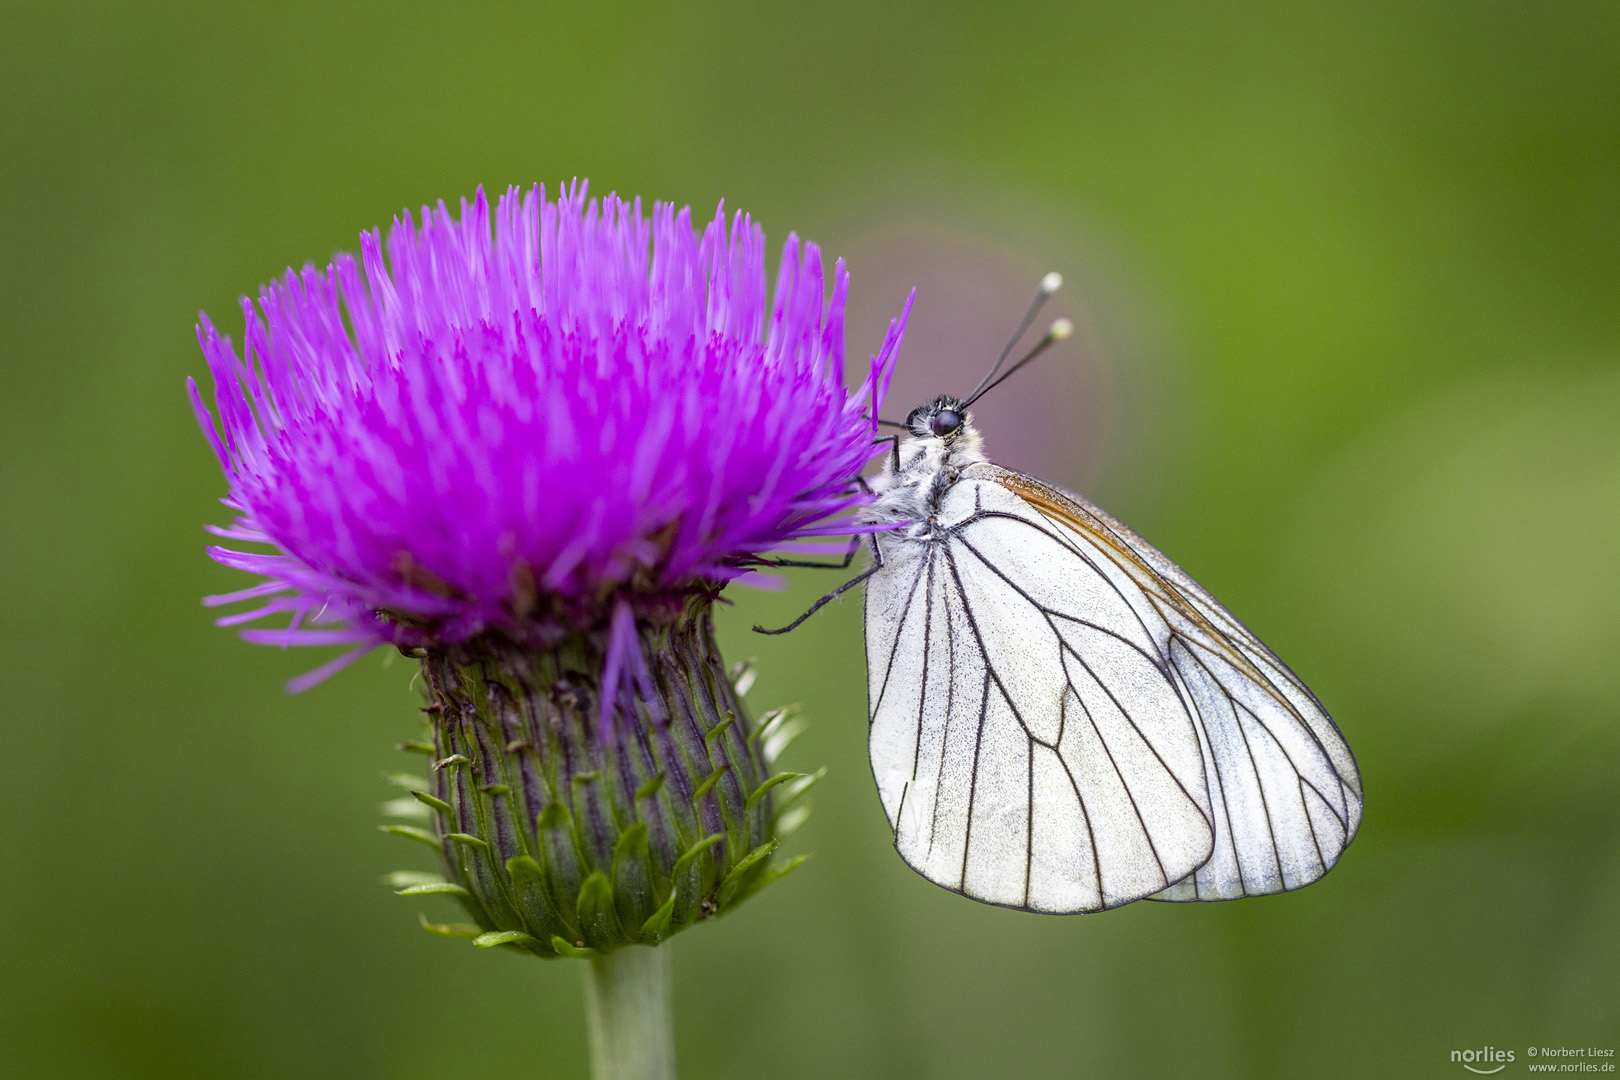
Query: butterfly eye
(945, 422)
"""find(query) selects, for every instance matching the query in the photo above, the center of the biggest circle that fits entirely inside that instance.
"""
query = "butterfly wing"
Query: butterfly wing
(1031, 744)
(1283, 784)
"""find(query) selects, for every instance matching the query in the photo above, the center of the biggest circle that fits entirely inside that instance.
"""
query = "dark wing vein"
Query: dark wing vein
(1169, 592)
(1343, 811)
(980, 515)
(973, 778)
(1213, 775)
(922, 698)
(894, 646)
(1193, 643)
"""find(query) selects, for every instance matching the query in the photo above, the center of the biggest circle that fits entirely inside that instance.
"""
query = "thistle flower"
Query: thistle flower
(532, 455)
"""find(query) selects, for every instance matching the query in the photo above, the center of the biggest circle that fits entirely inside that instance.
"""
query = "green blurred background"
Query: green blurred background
(1350, 277)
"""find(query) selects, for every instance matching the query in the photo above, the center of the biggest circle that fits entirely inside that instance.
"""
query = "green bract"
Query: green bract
(563, 836)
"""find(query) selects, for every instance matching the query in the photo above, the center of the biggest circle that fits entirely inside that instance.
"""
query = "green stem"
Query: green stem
(627, 1010)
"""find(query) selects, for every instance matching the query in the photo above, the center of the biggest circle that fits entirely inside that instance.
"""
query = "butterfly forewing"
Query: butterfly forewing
(1030, 741)
(1284, 789)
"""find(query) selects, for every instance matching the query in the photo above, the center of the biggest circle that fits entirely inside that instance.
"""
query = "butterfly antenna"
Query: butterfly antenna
(1059, 330)
(1049, 285)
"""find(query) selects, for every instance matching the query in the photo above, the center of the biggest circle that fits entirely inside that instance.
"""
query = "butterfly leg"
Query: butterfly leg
(877, 564)
(894, 454)
(843, 564)
(854, 541)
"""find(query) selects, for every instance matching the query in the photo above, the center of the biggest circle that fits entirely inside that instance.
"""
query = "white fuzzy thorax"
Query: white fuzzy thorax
(928, 467)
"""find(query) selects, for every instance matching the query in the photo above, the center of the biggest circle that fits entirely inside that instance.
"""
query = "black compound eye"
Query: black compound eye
(945, 422)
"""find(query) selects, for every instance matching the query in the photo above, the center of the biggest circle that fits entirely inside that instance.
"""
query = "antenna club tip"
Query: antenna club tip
(1051, 283)
(1061, 329)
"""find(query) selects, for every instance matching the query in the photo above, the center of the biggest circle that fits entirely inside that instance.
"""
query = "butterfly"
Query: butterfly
(1061, 719)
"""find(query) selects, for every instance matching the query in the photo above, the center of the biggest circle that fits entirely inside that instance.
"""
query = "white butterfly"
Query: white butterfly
(1062, 720)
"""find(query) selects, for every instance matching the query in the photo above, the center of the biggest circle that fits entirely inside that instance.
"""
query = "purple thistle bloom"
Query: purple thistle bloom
(531, 454)
(580, 420)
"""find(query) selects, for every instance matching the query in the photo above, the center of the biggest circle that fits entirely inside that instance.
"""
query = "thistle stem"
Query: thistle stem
(628, 1014)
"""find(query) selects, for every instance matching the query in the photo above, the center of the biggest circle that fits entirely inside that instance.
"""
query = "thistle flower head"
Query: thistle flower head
(524, 428)
(531, 452)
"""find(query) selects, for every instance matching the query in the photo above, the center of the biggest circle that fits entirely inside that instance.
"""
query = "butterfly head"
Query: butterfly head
(943, 418)
(943, 439)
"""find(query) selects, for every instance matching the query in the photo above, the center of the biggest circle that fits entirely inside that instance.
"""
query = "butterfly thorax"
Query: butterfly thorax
(942, 444)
